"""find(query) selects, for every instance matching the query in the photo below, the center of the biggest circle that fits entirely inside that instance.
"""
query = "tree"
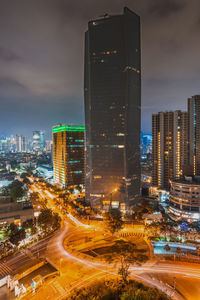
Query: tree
(79, 188)
(167, 248)
(16, 190)
(34, 196)
(28, 224)
(5, 191)
(47, 219)
(24, 175)
(12, 228)
(71, 190)
(15, 234)
(126, 253)
(14, 164)
(113, 220)
(29, 170)
(17, 237)
(142, 293)
(117, 290)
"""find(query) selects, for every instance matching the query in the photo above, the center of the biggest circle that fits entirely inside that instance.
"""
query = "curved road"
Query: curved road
(77, 272)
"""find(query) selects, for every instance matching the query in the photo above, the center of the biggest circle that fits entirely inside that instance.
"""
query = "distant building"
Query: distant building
(45, 171)
(4, 145)
(69, 155)
(38, 143)
(113, 107)
(169, 146)
(146, 143)
(151, 218)
(194, 133)
(20, 143)
(48, 145)
(185, 199)
(11, 212)
(42, 141)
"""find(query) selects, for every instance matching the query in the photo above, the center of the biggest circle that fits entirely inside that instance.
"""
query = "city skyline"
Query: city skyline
(41, 75)
(92, 205)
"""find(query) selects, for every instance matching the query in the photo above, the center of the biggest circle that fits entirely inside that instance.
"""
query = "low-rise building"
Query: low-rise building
(152, 218)
(45, 171)
(15, 212)
(185, 199)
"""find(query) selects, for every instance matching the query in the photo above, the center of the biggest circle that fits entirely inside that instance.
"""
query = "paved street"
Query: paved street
(77, 272)
(15, 261)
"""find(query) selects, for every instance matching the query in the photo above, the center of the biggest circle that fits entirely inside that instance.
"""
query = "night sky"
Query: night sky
(42, 52)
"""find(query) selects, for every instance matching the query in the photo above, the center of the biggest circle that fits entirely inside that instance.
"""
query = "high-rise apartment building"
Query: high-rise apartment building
(113, 106)
(69, 155)
(169, 146)
(20, 143)
(194, 133)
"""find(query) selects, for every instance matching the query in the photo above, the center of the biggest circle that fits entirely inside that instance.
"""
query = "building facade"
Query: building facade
(113, 106)
(69, 155)
(194, 133)
(38, 141)
(169, 146)
(20, 143)
(185, 199)
(11, 212)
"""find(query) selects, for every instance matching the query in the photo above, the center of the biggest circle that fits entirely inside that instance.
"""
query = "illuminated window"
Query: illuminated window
(120, 134)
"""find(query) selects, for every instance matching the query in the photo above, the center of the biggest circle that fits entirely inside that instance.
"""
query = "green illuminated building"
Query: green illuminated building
(68, 155)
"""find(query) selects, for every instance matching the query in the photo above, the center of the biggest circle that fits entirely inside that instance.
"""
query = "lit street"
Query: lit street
(73, 267)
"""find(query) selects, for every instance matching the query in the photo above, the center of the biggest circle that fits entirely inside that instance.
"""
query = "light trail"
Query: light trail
(76, 221)
(103, 268)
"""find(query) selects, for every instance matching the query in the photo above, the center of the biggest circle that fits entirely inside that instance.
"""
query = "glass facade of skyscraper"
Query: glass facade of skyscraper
(113, 106)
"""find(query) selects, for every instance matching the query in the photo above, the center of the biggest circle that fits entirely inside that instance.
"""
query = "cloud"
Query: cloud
(8, 55)
(163, 8)
(42, 55)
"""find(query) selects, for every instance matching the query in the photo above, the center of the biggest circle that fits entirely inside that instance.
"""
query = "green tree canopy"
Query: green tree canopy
(126, 253)
(16, 190)
(167, 248)
(47, 219)
(117, 290)
(16, 234)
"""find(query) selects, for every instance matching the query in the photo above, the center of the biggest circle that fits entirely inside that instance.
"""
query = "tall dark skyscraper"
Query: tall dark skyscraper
(113, 106)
